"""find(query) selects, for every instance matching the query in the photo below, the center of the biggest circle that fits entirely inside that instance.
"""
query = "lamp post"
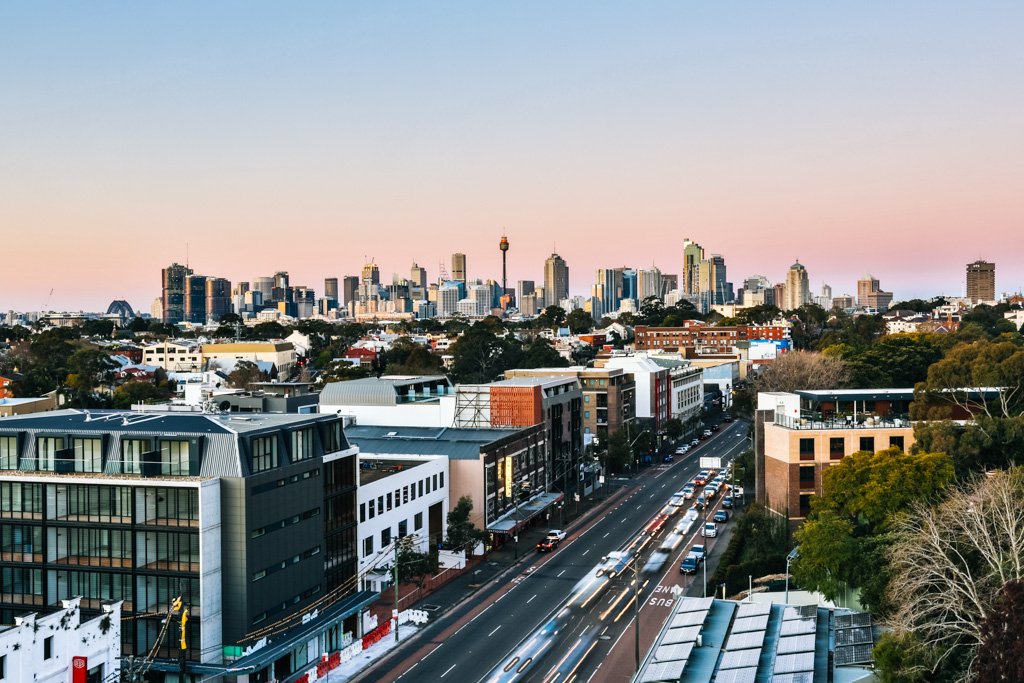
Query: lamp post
(793, 554)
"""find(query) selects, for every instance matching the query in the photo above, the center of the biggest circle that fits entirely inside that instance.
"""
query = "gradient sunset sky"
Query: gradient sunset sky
(859, 137)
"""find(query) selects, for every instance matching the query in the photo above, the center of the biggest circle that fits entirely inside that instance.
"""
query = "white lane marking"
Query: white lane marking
(607, 535)
(585, 552)
(494, 631)
(449, 670)
(531, 599)
(560, 573)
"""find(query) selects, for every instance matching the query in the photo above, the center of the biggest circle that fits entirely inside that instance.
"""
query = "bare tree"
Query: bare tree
(802, 370)
(951, 561)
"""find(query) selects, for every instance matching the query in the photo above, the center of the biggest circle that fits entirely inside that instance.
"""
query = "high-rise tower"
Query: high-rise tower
(556, 280)
(981, 281)
(505, 294)
(173, 295)
(459, 267)
(798, 288)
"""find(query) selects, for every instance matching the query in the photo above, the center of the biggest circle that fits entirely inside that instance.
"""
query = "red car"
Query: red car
(547, 545)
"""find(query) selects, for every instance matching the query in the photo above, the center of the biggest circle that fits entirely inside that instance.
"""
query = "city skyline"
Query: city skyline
(853, 138)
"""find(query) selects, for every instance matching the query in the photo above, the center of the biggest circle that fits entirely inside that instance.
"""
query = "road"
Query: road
(471, 640)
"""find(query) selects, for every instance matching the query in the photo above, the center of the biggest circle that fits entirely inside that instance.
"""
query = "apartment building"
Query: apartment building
(251, 520)
(701, 338)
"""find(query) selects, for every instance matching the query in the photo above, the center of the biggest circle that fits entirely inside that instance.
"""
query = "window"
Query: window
(836, 448)
(442, 480)
(435, 482)
(174, 458)
(302, 444)
(48, 647)
(405, 495)
(586, 414)
(417, 521)
(46, 451)
(334, 441)
(362, 512)
(264, 453)
(368, 546)
(807, 449)
(867, 443)
(385, 538)
(8, 452)
(403, 528)
(421, 487)
(807, 476)
(896, 442)
(259, 575)
(131, 455)
(389, 500)
(88, 455)
(373, 512)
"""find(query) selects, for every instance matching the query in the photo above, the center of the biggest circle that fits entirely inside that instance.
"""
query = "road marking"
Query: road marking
(560, 573)
(494, 631)
(531, 599)
(432, 651)
(607, 535)
(585, 552)
(449, 670)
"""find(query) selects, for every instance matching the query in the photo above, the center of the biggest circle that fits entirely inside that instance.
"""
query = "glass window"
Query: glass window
(389, 500)
(174, 458)
(302, 444)
(867, 443)
(88, 455)
(264, 453)
(403, 528)
(368, 546)
(896, 442)
(8, 452)
(836, 447)
(405, 495)
(807, 449)
(46, 451)
(21, 501)
(362, 512)
(131, 455)
(21, 586)
(421, 487)
(442, 480)
(385, 538)
(417, 521)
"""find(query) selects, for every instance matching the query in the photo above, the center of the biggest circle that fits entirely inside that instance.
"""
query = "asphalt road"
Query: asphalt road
(491, 626)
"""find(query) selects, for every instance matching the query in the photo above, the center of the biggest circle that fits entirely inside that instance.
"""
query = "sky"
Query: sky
(251, 137)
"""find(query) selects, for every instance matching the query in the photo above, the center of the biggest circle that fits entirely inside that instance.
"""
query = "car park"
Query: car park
(721, 516)
(710, 530)
(689, 564)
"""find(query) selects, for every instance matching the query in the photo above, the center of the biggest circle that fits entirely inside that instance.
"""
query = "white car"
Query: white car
(682, 449)
(556, 535)
(688, 494)
(710, 530)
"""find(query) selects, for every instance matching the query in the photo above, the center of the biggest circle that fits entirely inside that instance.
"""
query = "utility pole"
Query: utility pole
(636, 611)
(707, 548)
(396, 591)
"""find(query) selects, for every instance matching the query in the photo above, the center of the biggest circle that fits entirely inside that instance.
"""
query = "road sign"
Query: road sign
(707, 461)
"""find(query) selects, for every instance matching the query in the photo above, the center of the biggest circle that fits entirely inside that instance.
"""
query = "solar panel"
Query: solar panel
(681, 635)
(753, 609)
(695, 604)
(801, 612)
(737, 676)
(750, 624)
(853, 620)
(740, 659)
(797, 627)
(800, 677)
(666, 671)
(688, 619)
(853, 654)
(792, 644)
(854, 636)
(745, 641)
(673, 652)
(786, 664)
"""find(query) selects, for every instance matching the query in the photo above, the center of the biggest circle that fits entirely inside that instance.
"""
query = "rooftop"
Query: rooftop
(374, 469)
(458, 444)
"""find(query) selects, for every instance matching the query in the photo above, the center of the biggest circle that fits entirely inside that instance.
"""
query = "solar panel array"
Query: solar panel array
(855, 638)
(677, 642)
(794, 651)
(744, 644)
(799, 677)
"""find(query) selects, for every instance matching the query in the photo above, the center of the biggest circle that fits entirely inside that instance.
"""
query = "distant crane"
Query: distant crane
(46, 305)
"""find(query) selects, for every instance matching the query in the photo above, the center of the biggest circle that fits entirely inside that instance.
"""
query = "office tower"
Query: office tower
(693, 254)
(524, 288)
(981, 281)
(331, 288)
(240, 288)
(371, 274)
(418, 276)
(779, 295)
(798, 288)
(608, 289)
(281, 279)
(870, 294)
(712, 288)
(173, 303)
(459, 267)
(448, 296)
(350, 288)
(844, 302)
(825, 298)
(556, 280)
(218, 297)
(265, 286)
(629, 286)
(669, 283)
(648, 283)
(195, 299)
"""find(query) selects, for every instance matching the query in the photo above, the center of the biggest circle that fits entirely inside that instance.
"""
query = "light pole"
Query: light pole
(632, 455)
(793, 554)
(636, 611)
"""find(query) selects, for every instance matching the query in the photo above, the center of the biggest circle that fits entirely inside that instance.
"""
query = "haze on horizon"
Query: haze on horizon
(870, 137)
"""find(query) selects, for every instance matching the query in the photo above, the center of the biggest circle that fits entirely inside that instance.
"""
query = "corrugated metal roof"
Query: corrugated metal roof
(458, 444)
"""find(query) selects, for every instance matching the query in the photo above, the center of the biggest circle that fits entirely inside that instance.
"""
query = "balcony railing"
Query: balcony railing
(859, 421)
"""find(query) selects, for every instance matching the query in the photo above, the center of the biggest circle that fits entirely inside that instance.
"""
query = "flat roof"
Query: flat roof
(455, 443)
(385, 467)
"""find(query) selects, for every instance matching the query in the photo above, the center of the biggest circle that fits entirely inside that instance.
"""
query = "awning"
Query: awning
(512, 521)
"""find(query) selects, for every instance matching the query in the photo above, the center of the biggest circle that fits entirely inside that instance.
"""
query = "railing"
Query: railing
(867, 421)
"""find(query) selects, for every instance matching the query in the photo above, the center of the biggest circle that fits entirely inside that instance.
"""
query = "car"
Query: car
(698, 550)
(710, 530)
(721, 516)
(613, 563)
(727, 418)
(715, 428)
(706, 433)
(695, 442)
(557, 535)
(699, 480)
(677, 500)
(710, 492)
(727, 502)
(688, 494)
(654, 526)
(698, 504)
(689, 564)
(690, 516)
(546, 545)
(682, 449)
(712, 473)
(667, 457)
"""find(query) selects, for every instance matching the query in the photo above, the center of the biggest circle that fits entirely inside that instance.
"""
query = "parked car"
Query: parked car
(698, 550)
(727, 418)
(667, 457)
(727, 502)
(706, 433)
(721, 516)
(689, 564)
(695, 442)
(546, 545)
(710, 530)
(557, 535)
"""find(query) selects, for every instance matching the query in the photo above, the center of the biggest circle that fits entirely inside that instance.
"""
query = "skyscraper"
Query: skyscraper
(350, 288)
(173, 298)
(265, 286)
(798, 288)
(556, 280)
(712, 288)
(418, 276)
(608, 289)
(648, 283)
(693, 254)
(218, 297)
(195, 299)
(870, 294)
(981, 281)
(505, 294)
(459, 267)
(331, 288)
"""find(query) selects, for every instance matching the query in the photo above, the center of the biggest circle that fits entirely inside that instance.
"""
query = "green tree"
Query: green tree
(269, 330)
(674, 428)
(479, 356)
(97, 328)
(87, 368)
(414, 566)
(983, 363)
(245, 374)
(579, 321)
(540, 353)
(462, 533)
(406, 357)
(619, 456)
(552, 317)
(130, 393)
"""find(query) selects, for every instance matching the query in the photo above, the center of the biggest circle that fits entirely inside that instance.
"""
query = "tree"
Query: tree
(269, 330)
(674, 428)
(619, 455)
(552, 317)
(951, 563)
(802, 370)
(413, 566)
(995, 364)
(479, 356)
(245, 374)
(97, 328)
(87, 368)
(406, 357)
(1001, 652)
(130, 393)
(579, 321)
(540, 353)
(342, 371)
(760, 315)
(462, 533)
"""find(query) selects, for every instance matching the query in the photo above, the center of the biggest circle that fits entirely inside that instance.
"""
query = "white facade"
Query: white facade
(397, 505)
(44, 649)
(173, 357)
(439, 413)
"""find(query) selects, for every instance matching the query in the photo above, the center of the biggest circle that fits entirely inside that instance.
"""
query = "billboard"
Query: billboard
(710, 462)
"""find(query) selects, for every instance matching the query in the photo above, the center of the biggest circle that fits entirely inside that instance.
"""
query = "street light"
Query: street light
(793, 554)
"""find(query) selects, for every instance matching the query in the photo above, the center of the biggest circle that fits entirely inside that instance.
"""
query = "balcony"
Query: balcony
(810, 420)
